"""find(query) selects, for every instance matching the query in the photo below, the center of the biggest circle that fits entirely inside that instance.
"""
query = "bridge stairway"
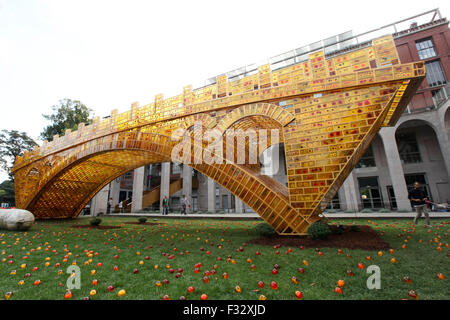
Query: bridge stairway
(149, 197)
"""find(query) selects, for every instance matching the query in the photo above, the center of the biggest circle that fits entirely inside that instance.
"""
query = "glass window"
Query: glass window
(367, 160)
(408, 147)
(439, 96)
(176, 168)
(370, 192)
(175, 202)
(128, 175)
(435, 74)
(391, 195)
(334, 203)
(425, 48)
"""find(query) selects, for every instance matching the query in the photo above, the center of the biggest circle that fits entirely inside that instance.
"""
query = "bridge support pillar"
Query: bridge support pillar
(138, 189)
(165, 183)
(395, 168)
(211, 195)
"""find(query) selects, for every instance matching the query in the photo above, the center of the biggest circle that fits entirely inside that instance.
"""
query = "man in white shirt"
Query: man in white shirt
(184, 204)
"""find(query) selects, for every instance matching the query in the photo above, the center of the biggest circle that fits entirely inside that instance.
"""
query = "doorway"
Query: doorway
(370, 192)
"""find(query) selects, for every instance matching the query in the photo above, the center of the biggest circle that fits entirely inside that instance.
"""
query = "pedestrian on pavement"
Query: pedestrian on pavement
(184, 204)
(419, 199)
(165, 206)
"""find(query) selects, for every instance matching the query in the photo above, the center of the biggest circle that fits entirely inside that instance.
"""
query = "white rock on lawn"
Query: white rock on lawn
(16, 219)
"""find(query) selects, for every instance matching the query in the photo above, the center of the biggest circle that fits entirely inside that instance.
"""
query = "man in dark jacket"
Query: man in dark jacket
(418, 200)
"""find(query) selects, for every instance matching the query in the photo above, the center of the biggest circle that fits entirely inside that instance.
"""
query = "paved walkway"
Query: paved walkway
(227, 216)
(255, 216)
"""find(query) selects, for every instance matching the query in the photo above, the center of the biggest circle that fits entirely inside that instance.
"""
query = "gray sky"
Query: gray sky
(109, 54)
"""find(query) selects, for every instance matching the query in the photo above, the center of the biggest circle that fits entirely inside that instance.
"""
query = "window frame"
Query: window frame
(436, 82)
(432, 47)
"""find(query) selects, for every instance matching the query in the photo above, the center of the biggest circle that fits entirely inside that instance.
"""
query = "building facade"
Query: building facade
(416, 149)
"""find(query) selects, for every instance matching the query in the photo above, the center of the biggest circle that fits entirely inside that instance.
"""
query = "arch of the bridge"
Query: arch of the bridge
(272, 111)
(94, 166)
(261, 118)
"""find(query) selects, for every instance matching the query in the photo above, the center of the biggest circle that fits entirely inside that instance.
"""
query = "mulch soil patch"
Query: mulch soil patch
(366, 239)
(88, 226)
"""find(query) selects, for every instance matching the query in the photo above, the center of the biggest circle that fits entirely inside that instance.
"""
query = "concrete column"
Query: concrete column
(444, 145)
(211, 195)
(395, 168)
(100, 201)
(187, 183)
(239, 205)
(114, 193)
(351, 194)
(138, 189)
(165, 182)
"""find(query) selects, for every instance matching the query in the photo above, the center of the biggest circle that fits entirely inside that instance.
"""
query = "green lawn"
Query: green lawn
(203, 241)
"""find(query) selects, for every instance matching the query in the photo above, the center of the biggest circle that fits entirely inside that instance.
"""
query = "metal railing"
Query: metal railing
(337, 44)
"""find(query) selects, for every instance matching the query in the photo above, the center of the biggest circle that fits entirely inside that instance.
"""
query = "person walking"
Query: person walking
(165, 206)
(184, 204)
(418, 199)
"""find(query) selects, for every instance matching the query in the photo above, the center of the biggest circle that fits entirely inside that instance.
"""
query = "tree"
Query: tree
(12, 144)
(66, 115)
(7, 192)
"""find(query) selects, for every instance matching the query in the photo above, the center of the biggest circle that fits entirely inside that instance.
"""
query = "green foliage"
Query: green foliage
(142, 220)
(264, 229)
(331, 211)
(95, 221)
(319, 230)
(384, 210)
(338, 229)
(66, 115)
(13, 144)
(366, 210)
(7, 192)
(354, 228)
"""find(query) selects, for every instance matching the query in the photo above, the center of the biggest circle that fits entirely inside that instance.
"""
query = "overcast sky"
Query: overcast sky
(109, 54)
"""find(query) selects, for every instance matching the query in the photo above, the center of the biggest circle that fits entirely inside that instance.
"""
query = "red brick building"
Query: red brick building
(429, 42)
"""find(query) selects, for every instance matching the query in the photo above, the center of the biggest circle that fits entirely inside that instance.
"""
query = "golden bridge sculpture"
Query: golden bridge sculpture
(328, 108)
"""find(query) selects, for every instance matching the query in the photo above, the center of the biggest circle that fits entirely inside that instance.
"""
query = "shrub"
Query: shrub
(319, 230)
(384, 210)
(142, 220)
(366, 210)
(95, 221)
(354, 228)
(264, 229)
(331, 211)
(339, 229)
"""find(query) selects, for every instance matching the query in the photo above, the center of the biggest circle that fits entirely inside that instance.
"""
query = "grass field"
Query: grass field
(52, 246)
